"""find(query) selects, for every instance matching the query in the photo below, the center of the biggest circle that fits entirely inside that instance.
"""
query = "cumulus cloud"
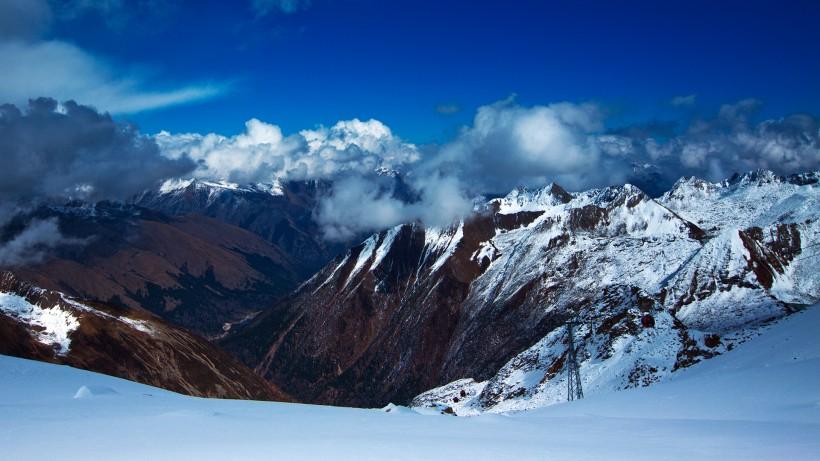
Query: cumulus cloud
(360, 158)
(264, 153)
(509, 145)
(266, 7)
(506, 146)
(34, 67)
(360, 204)
(731, 142)
(72, 151)
(54, 151)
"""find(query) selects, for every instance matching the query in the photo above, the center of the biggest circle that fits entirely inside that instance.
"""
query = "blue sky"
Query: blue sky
(463, 98)
(397, 61)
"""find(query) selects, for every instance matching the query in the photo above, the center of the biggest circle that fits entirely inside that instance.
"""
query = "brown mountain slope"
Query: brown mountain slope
(413, 308)
(136, 345)
(194, 271)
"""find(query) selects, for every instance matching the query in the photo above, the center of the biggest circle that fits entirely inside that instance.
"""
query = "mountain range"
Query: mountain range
(466, 318)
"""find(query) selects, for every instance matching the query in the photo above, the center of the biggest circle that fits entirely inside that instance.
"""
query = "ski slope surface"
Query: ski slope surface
(760, 401)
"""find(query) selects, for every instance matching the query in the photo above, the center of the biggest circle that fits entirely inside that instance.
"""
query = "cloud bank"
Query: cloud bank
(507, 145)
(54, 151)
(263, 153)
(380, 180)
(715, 148)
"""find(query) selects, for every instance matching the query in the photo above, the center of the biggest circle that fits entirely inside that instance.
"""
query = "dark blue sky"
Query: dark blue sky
(398, 60)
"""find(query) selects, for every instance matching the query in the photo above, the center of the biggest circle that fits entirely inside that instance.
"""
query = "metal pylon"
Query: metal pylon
(574, 389)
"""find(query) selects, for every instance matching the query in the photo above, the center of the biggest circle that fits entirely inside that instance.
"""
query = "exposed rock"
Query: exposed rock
(483, 303)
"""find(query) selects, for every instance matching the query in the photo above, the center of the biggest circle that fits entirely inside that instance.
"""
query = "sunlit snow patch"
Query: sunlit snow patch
(53, 325)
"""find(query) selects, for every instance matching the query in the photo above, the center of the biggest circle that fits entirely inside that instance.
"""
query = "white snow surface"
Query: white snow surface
(173, 186)
(756, 198)
(51, 325)
(759, 402)
(442, 242)
(522, 199)
(364, 256)
(385, 245)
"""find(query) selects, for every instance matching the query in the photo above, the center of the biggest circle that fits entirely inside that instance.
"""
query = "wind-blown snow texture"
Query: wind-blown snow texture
(759, 402)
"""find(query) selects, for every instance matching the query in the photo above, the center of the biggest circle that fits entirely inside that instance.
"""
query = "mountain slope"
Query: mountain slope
(279, 213)
(194, 271)
(52, 327)
(483, 303)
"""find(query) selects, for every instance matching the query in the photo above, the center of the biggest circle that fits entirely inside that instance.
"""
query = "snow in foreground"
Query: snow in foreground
(761, 401)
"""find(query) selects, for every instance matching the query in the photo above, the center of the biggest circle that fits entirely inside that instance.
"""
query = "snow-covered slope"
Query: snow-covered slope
(760, 402)
(657, 285)
(659, 301)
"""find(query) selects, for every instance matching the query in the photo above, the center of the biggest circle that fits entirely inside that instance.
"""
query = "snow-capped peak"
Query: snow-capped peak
(177, 185)
(523, 199)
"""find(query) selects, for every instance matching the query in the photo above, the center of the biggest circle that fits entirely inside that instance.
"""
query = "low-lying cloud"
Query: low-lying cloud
(380, 180)
(507, 145)
(360, 204)
(67, 150)
(33, 243)
(730, 143)
(54, 151)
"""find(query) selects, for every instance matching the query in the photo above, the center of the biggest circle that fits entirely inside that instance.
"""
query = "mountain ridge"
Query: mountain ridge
(412, 308)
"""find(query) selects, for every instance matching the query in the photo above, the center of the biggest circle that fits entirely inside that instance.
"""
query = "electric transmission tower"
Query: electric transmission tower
(574, 389)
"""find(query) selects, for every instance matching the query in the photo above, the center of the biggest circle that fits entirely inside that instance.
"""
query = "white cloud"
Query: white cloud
(349, 152)
(509, 145)
(33, 67)
(263, 153)
(64, 71)
(33, 242)
(359, 205)
(730, 142)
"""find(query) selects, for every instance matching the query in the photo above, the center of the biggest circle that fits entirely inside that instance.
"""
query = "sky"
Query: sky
(424, 67)
(463, 99)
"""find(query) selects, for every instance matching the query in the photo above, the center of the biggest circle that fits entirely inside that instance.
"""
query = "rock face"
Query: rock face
(50, 326)
(656, 285)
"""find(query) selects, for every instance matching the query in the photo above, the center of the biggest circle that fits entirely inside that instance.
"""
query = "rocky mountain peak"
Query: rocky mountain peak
(481, 304)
